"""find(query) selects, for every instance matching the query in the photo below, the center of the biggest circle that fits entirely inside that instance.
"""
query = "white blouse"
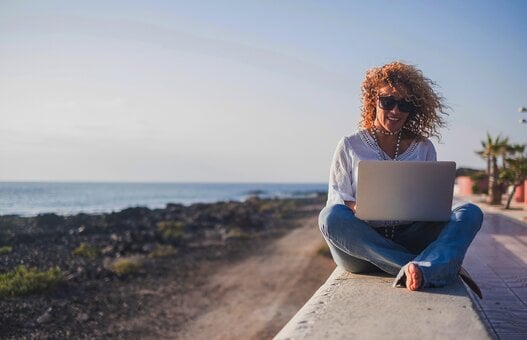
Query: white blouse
(361, 146)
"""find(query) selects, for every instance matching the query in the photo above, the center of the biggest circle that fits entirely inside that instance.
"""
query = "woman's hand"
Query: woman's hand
(352, 205)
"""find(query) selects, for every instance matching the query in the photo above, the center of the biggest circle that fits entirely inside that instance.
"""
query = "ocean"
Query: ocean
(33, 198)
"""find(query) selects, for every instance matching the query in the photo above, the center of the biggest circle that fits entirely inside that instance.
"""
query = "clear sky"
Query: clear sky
(238, 91)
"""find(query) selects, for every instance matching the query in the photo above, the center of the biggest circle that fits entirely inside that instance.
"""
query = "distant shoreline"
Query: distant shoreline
(29, 199)
(163, 207)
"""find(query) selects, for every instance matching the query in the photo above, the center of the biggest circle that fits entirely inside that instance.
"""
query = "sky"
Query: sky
(238, 91)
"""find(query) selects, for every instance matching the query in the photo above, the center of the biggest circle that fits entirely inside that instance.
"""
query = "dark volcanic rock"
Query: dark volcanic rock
(171, 241)
(48, 220)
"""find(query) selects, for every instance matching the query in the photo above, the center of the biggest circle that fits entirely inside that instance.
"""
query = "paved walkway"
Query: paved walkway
(497, 260)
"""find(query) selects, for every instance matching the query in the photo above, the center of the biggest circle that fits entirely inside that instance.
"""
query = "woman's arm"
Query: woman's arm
(340, 177)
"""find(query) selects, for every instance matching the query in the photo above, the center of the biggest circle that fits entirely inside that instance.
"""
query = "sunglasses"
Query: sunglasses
(388, 103)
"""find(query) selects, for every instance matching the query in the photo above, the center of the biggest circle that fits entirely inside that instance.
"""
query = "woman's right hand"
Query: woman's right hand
(352, 205)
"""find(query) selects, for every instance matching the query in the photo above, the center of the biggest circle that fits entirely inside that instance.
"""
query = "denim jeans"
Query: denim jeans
(438, 248)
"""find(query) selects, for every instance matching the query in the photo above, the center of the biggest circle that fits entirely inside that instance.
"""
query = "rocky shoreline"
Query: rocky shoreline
(107, 259)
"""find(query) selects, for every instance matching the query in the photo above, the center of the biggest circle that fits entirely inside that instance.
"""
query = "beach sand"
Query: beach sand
(251, 299)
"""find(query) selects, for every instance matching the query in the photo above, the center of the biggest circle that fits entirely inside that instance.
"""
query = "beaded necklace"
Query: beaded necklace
(374, 132)
(386, 133)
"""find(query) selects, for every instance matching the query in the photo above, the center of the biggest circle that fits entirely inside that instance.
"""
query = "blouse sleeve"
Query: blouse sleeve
(431, 154)
(340, 188)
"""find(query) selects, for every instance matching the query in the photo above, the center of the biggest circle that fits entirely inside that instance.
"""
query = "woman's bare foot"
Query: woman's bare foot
(414, 277)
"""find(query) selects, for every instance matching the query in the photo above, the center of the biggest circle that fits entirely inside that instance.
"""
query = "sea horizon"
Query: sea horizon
(165, 182)
(30, 198)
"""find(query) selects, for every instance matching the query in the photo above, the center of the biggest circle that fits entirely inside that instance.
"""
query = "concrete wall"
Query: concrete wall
(350, 306)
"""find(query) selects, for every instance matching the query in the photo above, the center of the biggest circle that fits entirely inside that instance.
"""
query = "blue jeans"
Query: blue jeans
(438, 248)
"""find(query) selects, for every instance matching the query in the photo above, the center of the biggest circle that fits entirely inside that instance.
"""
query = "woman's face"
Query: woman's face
(390, 118)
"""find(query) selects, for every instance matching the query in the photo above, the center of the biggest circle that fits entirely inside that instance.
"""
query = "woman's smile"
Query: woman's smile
(393, 118)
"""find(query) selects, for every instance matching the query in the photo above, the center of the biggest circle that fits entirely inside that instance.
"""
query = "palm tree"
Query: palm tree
(515, 171)
(492, 149)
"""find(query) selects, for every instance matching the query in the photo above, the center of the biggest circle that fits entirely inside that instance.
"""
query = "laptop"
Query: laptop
(405, 190)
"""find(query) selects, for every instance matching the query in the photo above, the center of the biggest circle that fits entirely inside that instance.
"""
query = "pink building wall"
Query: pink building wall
(519, 194)
(465, 184)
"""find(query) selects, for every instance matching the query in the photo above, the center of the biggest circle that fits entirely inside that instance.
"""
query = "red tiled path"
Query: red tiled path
(497, 260)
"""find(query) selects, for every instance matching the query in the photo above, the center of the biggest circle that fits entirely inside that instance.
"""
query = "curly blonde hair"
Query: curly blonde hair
(426, 117)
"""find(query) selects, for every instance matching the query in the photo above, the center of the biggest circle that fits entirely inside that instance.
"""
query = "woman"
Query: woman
(400, 111)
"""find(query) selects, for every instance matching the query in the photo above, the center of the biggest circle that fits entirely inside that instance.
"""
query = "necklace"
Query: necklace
(379, 151)
(386, 133)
